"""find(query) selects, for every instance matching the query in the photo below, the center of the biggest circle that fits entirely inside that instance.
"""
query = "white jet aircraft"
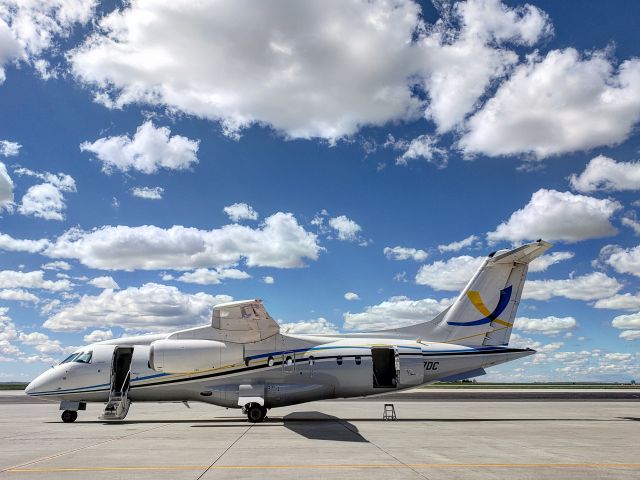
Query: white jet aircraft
(243, 360)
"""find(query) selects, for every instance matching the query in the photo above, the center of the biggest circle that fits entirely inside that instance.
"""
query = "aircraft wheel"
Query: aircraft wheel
(256, 413)
(69, 416)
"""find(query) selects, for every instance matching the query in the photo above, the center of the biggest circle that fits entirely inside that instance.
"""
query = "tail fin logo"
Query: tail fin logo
(476, 300)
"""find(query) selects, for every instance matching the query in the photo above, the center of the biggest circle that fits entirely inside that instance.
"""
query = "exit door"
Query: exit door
(120, 369)
(385, 367)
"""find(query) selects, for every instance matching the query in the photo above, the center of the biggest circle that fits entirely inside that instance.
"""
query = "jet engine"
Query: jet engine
(187, 356)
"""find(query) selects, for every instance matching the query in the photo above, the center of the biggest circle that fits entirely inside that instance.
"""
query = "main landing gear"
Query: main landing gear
(256, 413)
(69, 416)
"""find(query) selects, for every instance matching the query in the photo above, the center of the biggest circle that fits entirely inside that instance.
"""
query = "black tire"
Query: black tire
(69, 416)
(256, 413)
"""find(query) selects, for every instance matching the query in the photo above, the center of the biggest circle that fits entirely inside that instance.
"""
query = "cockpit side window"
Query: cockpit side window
(70, 358)
(85, 357)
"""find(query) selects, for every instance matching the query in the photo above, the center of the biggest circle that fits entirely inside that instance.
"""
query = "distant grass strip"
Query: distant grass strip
(13, 386)
(532, 386)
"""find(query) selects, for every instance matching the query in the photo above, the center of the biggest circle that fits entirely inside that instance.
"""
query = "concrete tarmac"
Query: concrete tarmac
(326, 440)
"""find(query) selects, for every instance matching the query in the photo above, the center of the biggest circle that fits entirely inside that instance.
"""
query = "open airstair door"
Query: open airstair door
(118, 404)
(385, 367)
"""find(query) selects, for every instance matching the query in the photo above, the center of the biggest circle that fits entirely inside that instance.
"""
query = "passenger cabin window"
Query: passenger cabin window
(358, 360)
(339, 360)
(84, 357)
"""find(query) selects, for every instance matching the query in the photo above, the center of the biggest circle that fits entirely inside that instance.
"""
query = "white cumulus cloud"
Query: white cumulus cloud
(623, 260)
(346, 228)
(30, 27)
(632, 223)
(148, 193)
(629, 324)
(98, 336)
(34, 279)
(43, 345)
(351, 296)
(543, 262)
(452, 274)
(424, 148)
(319, 325)
(279, 242)
(593, 286)
(405, 253)
(459, 245)
(104, 282)
(59, 265)
(204, 276)
(322, 68)
(46, 200)
(7, 242)
(554, 215)
(240, 211)
(604, 173)
(149, 150)
(621, 301)
(548, 325)
(630, 334)
(461, 62)
(18, 295)
(395, 312)
(269, 280)
(9, 149)
(561, 103)
(151, 307)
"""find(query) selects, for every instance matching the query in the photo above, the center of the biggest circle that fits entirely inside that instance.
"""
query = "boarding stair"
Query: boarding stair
(118, 404)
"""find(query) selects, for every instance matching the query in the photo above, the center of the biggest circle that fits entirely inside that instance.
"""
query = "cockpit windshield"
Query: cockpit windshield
(85, 357)
(78, 357)
(70, 358)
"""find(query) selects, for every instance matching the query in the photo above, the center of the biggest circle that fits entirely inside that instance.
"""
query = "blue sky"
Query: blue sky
(157, 158)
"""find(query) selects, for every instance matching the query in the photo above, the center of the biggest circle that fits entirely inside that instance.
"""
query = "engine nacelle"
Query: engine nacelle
(186, 356)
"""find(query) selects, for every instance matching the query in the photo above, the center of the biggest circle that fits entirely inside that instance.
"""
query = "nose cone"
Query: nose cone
(32, 387)
(44, 382)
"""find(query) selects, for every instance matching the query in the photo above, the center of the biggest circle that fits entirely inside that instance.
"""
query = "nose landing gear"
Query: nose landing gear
(69, 416)
(256, 413)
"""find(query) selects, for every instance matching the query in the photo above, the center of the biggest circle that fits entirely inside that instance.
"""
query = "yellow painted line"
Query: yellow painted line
(75, 450)
(327, 467)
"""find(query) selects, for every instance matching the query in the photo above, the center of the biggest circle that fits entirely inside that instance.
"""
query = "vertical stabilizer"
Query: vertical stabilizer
(484, 312)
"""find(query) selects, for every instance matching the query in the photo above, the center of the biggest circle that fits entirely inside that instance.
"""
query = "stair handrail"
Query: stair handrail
(126, 379)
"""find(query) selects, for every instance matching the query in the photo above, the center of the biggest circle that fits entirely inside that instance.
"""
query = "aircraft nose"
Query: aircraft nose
(31, 387)
(40, 383)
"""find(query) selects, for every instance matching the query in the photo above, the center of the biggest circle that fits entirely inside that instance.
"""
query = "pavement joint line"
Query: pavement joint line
(326, 466)
(74, 450)
(222, 454)
(400, 462)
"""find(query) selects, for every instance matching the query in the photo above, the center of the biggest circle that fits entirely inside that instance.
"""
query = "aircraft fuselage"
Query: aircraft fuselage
(290, 369)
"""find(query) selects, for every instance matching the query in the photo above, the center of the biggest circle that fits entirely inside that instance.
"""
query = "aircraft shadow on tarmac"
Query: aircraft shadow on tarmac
(320, 426)
(312, 425)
